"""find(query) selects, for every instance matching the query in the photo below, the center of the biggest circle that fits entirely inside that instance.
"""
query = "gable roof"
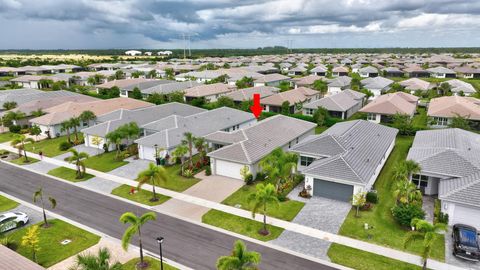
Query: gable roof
(293, 96)
(247, 93)
(274, 77)
(205, 90)
(416, 84)
(341, 101)
(376, 82)
(392, 103)
(450, 106)
(341, 81)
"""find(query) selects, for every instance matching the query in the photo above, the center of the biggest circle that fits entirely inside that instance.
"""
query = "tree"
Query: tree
(119, 75)
(241, 258)
(320, 86)
(406, 192)
(35, 131)
(445, 89)
(320, 116)
(15, 116)
(189, 141)
(9, 105)
(403, 123)
(137, 74)
(265, 195)
(459, 121)
(427, 233)
(245, 172)
(87, 116)
(136, 224)
(116, 138)
(169, 73)
(201, 147)
(355, 83)
(368, 93)
(152, 74)
(136, 93)
(96, 141)
(244, 82)
(225, 101)
(284, 86)
(101, 261)
(38, 195)
(66, 127)
(176, 96)
(358, 200)
(285, 108)
(396, 87)
(77, 158)
(130, 130)
(31, 240)
(180, 153)
(279, 166)
(151, 175)
(412, 167)
(75, 123)
(156, 98)
(38, 113)
(18, 142)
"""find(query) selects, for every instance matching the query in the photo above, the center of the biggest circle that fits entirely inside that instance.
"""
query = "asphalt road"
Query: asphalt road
(191, 245)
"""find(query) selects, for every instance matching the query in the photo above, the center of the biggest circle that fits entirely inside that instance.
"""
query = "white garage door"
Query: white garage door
(228, 169)
(466, 215)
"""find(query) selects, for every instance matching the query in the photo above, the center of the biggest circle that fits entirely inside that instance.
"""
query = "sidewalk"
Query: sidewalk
(289, 226)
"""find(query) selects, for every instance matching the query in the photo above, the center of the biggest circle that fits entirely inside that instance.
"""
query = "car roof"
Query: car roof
(7, 215)
(463, 226)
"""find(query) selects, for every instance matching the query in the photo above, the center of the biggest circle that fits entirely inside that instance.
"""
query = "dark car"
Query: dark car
(465, 242)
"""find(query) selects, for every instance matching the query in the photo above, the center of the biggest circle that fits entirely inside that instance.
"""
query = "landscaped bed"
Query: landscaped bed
(51, 250)
(140, 196)
(104, 162)
(50, 147)
(384, 229)
(69, 174)
(7, 204)
(177, 182)
(362, 260)
(7, 136)
(240, 225)
(153, 264)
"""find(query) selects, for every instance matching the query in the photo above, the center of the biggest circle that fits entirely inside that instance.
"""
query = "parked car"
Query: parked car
(12, 220)
(465, 242)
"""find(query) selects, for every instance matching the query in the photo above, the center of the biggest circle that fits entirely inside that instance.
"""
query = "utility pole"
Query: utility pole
(184, 47)
(189, 46)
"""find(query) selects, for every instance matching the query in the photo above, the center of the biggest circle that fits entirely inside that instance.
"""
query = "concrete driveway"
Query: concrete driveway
(34, 216)
(320, 213)
(81, 148)
(132, 169)
(213, 188)
(450, 259)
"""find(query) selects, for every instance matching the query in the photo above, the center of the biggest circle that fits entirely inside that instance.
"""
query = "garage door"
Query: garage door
(332, 190)
(228, 169)
(466, 215)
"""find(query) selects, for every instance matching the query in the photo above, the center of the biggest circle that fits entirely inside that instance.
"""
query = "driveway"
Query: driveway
(41, 166)
(213, 188)
(132, 169)
(99, 184)
(81, 148)
(319, 213)
(34, 216)
(450, 259)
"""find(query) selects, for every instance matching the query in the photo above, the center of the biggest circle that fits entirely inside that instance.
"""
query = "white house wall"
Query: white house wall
(464, 214)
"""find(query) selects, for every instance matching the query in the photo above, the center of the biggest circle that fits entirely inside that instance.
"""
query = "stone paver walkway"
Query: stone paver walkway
(428, 206)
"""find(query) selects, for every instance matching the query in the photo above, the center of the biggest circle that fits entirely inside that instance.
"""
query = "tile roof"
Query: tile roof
(416, 84)
(341, 101)
(205, 90)
(297, 95)
(393, 103)
(274, 77)
(247, 93)
(451, 106)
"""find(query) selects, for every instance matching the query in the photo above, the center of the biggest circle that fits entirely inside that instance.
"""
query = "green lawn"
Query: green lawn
(176, 182)
(7, 204)
(240, 225)
(21, 161)
(7, 136)
(49, 147)
(362, 260)
(69, 174)
(141, 196)
(385, 229)
(153, 264)
(287, 210)
(104, 162)
(420, 119)
(320, 129)
(51, 249)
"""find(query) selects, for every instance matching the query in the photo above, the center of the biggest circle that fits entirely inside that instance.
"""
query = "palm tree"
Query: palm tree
(116, 138)
(136, 224)
(15, 116)
(399, 172)
(131, 130)
(180, 152)
(65, 127)
(279, 166)
(152, 174)
(189, 141)
(9, 105)
(241, 258)
(19, 142)
(75, 123)
(201, 147)
(77, 158)
(412, 167)
(53, 203)
(87, 116)
(38, 113)
(427, 233)
(99, 262)
(264, 195)
(406, 192)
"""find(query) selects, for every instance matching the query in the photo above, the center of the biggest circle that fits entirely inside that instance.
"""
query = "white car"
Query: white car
(12, 220)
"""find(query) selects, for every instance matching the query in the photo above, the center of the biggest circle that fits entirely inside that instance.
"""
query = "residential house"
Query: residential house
(306, 81)
(383, 108)
(296, 71)
(392, 72)
(340, 71)
(122, 84)
(368, 72)
(442, 110)
(248, 146)
(340, 105)
(377, 85)
(294, 97)
(416, 72)
(247, 93)
(338, 84)
(441, 72)
(345, 159)
(416, 84)
(319, 70)
(450, 169)
(467, 72)
(271, 80)
(208, 92)
(459, 87)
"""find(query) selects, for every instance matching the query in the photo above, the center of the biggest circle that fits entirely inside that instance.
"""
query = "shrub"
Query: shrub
(64, 146)
(15, 128)
(260, 176)
(208, 171)
(372, 197)
(249, 179)
(367, 206)
(188, 173)
(404, 213)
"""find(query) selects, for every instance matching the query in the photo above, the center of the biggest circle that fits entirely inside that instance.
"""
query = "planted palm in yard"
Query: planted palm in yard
(189, 141)
(136, 224)
(241, 258)
(77, 158)
(19, 143)
(281, 166)
(151, 175)
(427, 233)
(101, 261)
(38, 196)
(264, 197)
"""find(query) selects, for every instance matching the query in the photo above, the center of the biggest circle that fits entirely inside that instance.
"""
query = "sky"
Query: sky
(160, 24)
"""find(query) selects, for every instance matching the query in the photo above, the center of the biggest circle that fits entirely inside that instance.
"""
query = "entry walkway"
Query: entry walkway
(296, 228)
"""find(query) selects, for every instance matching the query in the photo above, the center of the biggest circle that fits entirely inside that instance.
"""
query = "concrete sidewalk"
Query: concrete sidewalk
(296, 228)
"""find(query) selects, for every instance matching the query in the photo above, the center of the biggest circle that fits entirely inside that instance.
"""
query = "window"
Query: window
(309, 111)
(124, 92)
(305, 161)
(441, 121)
(371, 117)
(85, 124)
(420, 180)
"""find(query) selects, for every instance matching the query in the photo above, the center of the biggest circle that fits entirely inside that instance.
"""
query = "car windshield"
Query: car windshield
(468, 238)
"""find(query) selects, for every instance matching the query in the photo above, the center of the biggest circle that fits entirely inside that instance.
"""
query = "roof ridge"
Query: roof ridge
(245, 151)
(462, 187)
(348, 164)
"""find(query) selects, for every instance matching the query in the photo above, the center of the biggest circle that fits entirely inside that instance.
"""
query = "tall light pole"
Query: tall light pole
(160, 241)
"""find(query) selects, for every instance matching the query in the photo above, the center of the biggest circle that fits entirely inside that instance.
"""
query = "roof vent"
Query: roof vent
(368, 160)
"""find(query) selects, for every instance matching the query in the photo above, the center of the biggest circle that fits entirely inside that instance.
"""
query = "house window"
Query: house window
(85, 124)
(420, 180)
(305, 161)
(309, 111)
(371, 117)
(441, 121)
(124, 92)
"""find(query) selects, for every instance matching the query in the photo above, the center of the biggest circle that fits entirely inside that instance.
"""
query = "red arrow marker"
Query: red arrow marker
(256, 108)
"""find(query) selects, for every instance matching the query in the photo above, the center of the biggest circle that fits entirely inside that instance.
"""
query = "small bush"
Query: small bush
(442, 218)
(64, 146)
(188, 173)
(404, 214)
(249, 179)
(208, 171)
(372, 197)
(15, 129)
(260, 176)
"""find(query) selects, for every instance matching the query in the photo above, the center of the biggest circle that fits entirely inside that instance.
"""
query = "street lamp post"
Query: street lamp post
(160, 241)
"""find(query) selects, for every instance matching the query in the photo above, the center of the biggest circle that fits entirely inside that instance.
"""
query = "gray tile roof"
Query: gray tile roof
(452, 154)
(341, 81)
(341, 101)
(247, 93)
(353, 151)
(21, 96)
(376, 82)
(167, 88)
(262, 138)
